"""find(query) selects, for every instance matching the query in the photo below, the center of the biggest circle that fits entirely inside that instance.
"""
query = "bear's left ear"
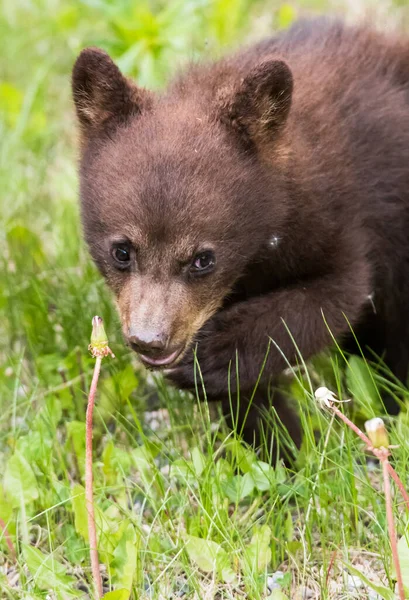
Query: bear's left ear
(259, 107)
(102, 94)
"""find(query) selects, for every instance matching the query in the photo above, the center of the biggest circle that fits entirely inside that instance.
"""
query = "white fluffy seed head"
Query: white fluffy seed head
(324, 396)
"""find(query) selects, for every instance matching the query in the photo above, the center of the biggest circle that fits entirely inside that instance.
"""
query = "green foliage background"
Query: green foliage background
(168, 515)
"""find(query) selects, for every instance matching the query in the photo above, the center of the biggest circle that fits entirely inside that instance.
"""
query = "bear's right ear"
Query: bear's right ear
(102, 94)
(257, 109)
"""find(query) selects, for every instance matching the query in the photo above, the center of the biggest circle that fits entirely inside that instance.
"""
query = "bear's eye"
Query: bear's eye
(203, 262)
(122, 255)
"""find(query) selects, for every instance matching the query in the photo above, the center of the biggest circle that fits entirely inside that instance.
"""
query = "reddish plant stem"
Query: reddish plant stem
(7, 537)
(391, 528)
(92, 533)
(399, 483)
(352, 425)
(379, 453)
(382, 454)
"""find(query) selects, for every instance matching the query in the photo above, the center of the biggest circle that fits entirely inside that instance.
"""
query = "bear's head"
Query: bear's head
(179, 191)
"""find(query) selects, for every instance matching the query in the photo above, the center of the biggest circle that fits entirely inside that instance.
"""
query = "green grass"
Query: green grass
(184, 509)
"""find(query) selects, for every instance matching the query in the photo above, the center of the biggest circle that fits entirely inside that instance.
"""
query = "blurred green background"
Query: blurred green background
(49, 289)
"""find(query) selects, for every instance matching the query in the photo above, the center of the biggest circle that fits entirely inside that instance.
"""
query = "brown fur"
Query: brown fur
(302, 139)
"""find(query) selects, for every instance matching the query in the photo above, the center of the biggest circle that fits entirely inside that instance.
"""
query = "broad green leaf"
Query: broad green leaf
(209, 556)
(20, 483)
(47, 572)
(258, 552)
(80, 510)
(203, 552)
(403, 552)
(243, 456)
(76, 550)
(383, 592)
(238, 487)
(263, 475)
(117, 595)
(289, 527)
(125, 558)
(360, 383)
(116, 463)
(76, 436)
(199, 462)
(6, 512)
(224, 470)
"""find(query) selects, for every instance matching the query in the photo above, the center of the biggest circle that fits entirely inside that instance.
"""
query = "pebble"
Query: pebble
(305, 593)
(272, 581)
(354, 583)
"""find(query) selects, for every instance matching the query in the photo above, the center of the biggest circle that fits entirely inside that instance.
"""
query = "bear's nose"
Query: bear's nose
(147, 341)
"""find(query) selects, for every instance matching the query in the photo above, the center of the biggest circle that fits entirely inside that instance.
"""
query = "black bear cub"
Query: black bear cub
(261, 201)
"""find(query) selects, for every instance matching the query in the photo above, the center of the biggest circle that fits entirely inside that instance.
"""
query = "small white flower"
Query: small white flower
(326, 397)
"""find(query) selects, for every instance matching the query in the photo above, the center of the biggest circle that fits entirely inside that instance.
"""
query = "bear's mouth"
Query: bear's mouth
(164, 360)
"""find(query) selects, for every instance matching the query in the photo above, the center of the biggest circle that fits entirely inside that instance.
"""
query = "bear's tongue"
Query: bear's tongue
(161, 361)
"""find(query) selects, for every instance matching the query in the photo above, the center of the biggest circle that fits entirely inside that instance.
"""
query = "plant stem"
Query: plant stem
(380, 454)
(391, 528)
(399, 483)
(92, 534)
(7, 537)
(352, 425)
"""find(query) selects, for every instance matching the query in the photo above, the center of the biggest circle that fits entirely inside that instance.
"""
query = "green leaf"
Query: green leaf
(263, 475)
(383, 592)
(20, 483)
(76, 550)
(199, 462)
(258, 552)
(6, 512)
(80, 510)
(203, 552)
(116, 463)
(289, 527)
(403, 553)
(238, 487)
(360, 382)
(117, 595)
(125, 558)
(76, 435)
(47, 572)
(209, 557)
(242, 455)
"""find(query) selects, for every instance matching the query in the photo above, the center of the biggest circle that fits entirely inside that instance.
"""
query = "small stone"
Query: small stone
(374, 596)
(273, 580)
(354, 583)
(305, 593)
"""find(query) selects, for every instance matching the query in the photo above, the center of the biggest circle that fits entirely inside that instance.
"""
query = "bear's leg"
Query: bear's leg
(256, 423)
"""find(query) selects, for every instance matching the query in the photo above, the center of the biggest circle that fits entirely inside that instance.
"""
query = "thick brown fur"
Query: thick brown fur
(290, 162)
